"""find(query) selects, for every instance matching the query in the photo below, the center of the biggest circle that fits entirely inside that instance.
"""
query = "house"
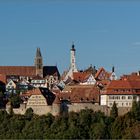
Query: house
(84, 78)
(41, 100)
(38, 81)
(102, 74)
(80, 97)
(23, 85)
(122, 92)
(132, 76)
(11, 86)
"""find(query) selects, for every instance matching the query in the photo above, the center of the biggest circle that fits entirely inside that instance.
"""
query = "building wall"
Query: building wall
(120, 100)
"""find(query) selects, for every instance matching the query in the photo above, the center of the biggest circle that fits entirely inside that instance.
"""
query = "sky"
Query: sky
(106, 33)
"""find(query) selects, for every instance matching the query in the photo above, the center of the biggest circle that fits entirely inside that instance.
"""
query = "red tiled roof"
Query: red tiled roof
(123, 87)
(18, 70)
(32, 92)
(37, 77)
(83, 94)
(3, 78)
(107, 74)
(80, 76)
(99, 71)
(124, 84)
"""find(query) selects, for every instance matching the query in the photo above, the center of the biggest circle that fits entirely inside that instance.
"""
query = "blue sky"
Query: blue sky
(105, 33)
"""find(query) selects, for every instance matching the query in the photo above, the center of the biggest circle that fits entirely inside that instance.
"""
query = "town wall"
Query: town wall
(55, 109)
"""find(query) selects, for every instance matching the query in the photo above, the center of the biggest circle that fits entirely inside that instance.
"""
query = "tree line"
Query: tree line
(85, 124)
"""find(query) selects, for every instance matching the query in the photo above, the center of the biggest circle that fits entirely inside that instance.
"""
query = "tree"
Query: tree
(15, 100)
(29, 114)
(1, 99)
(135, 110)
(114, 111)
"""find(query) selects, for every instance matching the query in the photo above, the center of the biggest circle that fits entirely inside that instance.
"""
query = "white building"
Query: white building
(122, 92)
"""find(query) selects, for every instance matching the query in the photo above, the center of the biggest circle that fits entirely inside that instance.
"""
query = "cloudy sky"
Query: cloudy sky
(105, 33)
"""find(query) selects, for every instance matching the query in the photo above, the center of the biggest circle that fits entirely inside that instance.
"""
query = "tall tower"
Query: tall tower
(72, 64)
(72, 59)
(39, 63)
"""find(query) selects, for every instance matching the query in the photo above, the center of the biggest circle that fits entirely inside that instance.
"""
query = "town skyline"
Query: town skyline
(105, 34)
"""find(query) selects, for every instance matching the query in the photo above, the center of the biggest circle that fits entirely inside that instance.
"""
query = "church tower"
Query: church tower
(73, 61)
(72, 64)
(39, 63)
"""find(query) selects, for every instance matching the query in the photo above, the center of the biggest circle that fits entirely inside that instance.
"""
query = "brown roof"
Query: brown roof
(18, 70)
(124, 84)
(82, 94)
(37, 77)
(3, 78)
(35, 91)
(107, 74)
(133, 76)
(80, 76)
(123, 87)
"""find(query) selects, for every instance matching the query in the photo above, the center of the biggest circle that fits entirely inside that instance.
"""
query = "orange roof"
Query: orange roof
(3, 78)
(81, 94)
(80, 76)
(122, 87)
(37, 77)
(35, 91)
(124, 84)
(18, 70)
(107, 74)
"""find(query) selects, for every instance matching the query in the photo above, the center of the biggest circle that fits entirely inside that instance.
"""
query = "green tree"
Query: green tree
(135, 110)
(15, 100)
(29, 114)
(114, 111)
(1, 99)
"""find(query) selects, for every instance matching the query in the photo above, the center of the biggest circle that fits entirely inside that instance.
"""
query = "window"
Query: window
(129, 97)
(123, 97)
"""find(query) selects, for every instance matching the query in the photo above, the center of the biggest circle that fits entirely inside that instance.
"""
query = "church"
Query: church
(38, 71)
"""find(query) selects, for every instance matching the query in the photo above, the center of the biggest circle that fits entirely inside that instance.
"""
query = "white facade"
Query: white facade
(89, 81)
(113, 76)
(73, 67)
(39, 83)
(120, 100)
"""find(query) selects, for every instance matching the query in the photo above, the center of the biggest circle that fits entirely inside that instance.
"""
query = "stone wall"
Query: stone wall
(76, 107)
(55, 109)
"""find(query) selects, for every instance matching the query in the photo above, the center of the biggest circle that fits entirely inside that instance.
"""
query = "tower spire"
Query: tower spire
(73, 59)
(39, 63)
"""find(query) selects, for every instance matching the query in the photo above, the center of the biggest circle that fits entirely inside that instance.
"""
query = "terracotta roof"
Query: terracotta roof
(80, 76)
(28, 70)
(122, 87)
(124, 84)
(99, 71)
(37, 77)
(107, 74)
(18, 70)
(133, 76)
(3, 78)
(35, 91)
(82, 94)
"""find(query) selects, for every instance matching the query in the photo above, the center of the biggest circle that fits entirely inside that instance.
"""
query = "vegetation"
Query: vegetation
(86, 124)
